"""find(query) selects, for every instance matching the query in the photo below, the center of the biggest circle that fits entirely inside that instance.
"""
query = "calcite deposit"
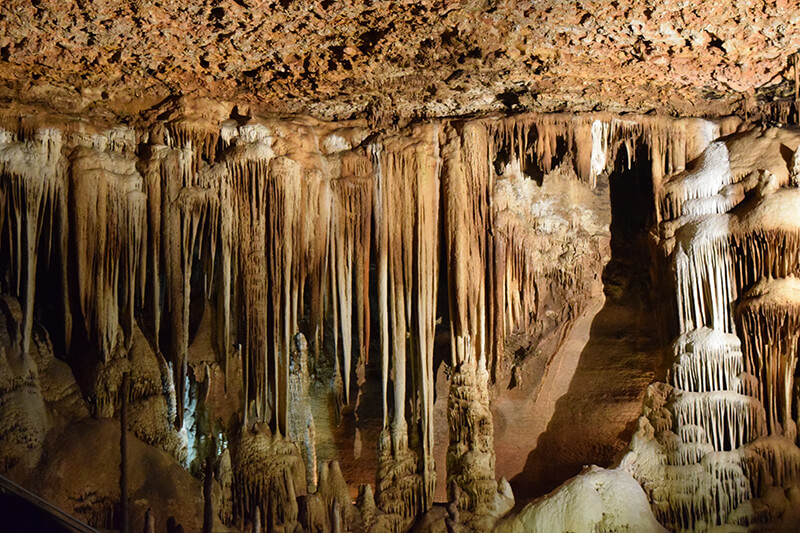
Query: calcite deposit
(391, 266)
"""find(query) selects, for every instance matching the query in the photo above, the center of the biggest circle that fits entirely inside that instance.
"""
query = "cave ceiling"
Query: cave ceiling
(395, 61)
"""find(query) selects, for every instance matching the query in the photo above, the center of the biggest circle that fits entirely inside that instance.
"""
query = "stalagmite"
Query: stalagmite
(269, 474)
(301, 429)
(794, 177)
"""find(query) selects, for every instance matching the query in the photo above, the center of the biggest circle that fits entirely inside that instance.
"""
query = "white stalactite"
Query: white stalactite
(730, 228)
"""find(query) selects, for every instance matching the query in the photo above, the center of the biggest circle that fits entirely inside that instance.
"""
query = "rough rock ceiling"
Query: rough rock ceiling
(399, 59)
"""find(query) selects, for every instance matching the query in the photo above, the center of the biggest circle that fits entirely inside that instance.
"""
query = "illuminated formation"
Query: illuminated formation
(237, 266)
(717, 444)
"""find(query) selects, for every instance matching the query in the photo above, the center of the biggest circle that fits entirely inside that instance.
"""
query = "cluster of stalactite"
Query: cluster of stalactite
(769, 326)
(407, 247)
(721, 434)
(475, 331)
(33, 200)
(275, 224)
(782, 111)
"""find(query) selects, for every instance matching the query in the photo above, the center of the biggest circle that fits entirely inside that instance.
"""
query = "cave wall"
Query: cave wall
(341, 311)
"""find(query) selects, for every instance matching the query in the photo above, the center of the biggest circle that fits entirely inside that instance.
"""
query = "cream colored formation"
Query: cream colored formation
(717, 444)
(278, 226)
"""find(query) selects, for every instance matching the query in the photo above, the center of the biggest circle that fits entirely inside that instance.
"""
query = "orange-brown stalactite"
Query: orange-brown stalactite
(360, 166)
(475, 263)
(284, 249)
(767, 316)
(407, 243)
(467, 186)
(350, 217)
(183, 212)
(247, 179)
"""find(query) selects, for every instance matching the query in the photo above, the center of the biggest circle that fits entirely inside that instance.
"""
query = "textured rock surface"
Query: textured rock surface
(398, 58)
(80, 473)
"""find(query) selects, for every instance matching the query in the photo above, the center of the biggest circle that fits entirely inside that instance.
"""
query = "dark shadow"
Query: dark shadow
(24, 512)
(594, 421)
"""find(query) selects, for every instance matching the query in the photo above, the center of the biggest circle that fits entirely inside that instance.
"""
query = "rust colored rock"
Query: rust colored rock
(432, 58)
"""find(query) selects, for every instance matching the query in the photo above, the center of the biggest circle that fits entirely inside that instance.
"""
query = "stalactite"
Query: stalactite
(246, 187)
(707, 180)
(704, 274)
(183, 212)
(199, 135)
(768, 321)
(594, 139)
(270, 210)
(382, 263)
(406, 207)
(319, 204)
(729, 227)
(350, 216)
(707, 360)
(284, 253)
(361, 166)
(730, 420)
(427, 281)
(109, 228)
(275, 222)
(467, 184)
(228, 259)
(33, 188)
